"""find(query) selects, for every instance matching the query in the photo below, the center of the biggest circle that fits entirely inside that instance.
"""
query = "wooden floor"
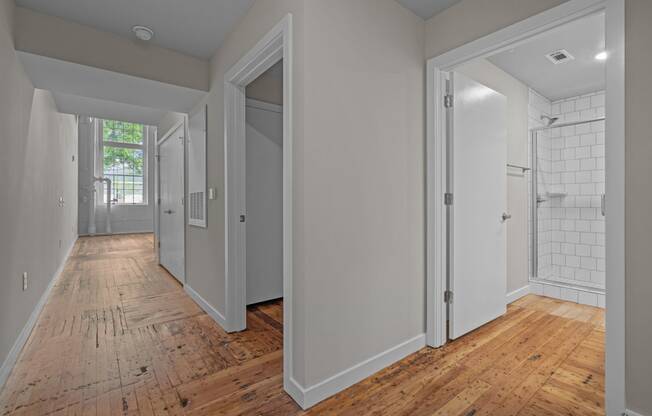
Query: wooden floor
(119, 336)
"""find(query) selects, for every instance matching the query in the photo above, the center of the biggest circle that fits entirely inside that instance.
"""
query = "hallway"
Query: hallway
(120, 336)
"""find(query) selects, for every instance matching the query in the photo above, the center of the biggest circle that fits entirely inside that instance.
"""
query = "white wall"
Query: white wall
(124, 218)
(68, 41)
(36, 169)
(264, 201)
(268, 86)
(516, 92)
(467, 20)
(471, 19)
(638, 203)
(361, 183)
(205, 246)
(359, 130)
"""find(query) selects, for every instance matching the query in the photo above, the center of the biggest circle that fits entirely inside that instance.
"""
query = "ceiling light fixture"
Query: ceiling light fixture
(143, 32)
(601, 56)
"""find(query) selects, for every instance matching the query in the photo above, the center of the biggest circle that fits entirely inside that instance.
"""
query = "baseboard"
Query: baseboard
(632, 413)
(569, 293)
(517, 294)
(116, 233)
(308, 397)
(294, 389)
(12, 357)
(207, 307)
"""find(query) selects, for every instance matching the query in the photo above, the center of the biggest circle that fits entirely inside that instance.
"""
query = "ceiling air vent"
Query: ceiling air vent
(559, 57)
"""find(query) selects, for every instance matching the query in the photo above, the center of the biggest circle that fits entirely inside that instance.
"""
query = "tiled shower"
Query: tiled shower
(568, 244)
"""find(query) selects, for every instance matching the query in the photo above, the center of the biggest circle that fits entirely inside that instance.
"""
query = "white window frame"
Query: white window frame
(100, 161)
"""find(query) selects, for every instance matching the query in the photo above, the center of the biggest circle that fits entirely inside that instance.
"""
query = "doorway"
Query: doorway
(171, 202)
(440, 233)
(264, 186)
(274, 47)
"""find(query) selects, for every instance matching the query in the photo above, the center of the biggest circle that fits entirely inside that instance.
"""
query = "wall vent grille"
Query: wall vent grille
(197, 206)
(559, 57)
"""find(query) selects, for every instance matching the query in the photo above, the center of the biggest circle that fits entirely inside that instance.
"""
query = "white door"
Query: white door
(171, 213)
(478, 146)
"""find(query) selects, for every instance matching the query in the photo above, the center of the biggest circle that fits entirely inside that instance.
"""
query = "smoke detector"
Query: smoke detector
(143, 32)
(559, 57)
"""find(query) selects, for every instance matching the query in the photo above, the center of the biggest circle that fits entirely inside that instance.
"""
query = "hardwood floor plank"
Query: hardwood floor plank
(214, 387)
(119, 336)
(464, 399)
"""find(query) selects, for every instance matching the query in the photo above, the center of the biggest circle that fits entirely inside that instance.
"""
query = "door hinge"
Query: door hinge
(159, 244)
(158, 201)
(448, 296)
(242, 218)
(448, 100)
(448, 198)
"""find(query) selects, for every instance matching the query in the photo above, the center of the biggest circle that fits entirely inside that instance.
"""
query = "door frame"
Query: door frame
(157, 197)
(436, 172)
(274, 46)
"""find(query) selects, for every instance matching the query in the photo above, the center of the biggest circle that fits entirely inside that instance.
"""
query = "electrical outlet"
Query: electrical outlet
(24, 281)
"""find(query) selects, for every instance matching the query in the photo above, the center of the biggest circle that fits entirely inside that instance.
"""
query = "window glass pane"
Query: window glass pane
(122, 132)
(125, 168)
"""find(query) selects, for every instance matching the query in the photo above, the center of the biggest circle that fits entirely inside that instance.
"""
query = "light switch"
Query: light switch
(212, 193)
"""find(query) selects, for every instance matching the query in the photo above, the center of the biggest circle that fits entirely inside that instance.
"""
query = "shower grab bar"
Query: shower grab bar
(523, 168)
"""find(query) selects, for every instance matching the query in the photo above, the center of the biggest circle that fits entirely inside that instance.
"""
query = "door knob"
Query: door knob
(506, 216)
(168, 211)
(602, 210)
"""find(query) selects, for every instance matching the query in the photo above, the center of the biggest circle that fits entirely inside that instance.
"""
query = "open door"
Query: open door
(171, 212)
(477, 180)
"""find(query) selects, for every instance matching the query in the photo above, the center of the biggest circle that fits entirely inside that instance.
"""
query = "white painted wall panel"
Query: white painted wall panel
(264, 201)
(38, 165)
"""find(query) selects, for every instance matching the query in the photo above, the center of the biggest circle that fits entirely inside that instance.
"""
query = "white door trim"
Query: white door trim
(274, 46)
(436, 173)
(157, 187)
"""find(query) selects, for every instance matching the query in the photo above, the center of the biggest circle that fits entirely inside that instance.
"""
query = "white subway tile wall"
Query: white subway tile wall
(570, 185)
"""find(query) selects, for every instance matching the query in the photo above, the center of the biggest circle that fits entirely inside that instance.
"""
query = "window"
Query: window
(124, 161)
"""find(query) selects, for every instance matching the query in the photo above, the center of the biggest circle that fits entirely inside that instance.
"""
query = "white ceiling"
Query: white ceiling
(583, 39)
(194, 27)
(85, 90)
(427, 8)
(110, 110)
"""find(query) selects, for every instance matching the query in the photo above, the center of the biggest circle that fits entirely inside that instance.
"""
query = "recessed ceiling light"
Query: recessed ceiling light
(601, 56)
(143, 32)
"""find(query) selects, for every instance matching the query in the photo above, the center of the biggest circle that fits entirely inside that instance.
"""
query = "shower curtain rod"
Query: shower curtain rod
(567, 124)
